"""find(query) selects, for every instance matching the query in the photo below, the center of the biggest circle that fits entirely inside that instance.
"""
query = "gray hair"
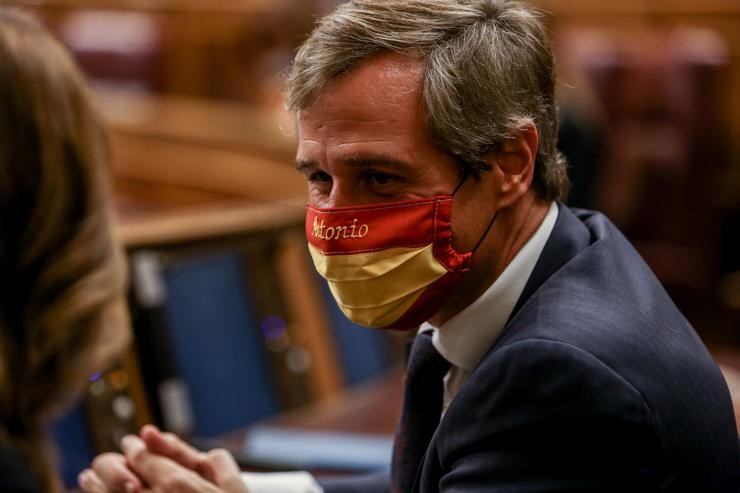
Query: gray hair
(488, 72)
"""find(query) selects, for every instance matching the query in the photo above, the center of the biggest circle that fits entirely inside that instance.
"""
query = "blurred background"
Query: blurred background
(231, 324)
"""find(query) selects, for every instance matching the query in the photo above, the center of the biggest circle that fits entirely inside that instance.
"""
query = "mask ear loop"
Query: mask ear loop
(460, 184)
(493, 219)
(488, 230)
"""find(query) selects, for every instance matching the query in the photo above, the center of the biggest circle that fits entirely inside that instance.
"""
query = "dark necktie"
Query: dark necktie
(422, 408)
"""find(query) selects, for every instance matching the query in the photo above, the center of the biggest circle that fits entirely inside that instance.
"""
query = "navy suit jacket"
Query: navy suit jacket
(597, 384)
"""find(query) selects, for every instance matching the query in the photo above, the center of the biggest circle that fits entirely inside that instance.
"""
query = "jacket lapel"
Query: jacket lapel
(568, 238)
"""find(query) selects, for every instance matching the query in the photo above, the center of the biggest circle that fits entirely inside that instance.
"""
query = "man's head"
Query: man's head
(487, 73)
(399, 101)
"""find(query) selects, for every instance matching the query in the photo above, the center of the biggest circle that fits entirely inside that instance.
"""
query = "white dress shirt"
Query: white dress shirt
(463, 340)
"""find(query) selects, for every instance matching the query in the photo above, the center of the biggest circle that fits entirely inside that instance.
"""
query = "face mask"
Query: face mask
(388, 265)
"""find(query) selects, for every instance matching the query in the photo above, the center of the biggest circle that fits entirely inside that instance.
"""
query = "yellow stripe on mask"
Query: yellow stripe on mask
(371, 289)
(363, 266)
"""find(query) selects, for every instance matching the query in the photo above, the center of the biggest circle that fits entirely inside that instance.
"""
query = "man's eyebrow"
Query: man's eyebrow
(377, 160)
(302, 164)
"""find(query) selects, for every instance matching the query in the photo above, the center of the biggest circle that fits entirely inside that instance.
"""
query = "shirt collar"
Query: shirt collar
(465, 338)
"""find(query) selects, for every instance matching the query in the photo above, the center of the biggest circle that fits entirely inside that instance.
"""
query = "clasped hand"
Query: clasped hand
(157, 462)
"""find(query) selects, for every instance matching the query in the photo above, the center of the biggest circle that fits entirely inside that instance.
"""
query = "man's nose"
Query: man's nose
(341, 195)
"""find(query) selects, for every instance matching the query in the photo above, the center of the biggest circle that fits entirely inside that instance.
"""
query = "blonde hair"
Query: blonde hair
(489, 72)
(62, 275)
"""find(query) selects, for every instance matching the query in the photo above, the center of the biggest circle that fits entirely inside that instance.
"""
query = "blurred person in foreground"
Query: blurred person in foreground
(62, 276)
(548, 356)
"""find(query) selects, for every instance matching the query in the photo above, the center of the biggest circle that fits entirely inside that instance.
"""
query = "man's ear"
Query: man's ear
(513, 164)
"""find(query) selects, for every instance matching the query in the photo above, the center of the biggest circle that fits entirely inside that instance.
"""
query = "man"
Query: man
(427, 135)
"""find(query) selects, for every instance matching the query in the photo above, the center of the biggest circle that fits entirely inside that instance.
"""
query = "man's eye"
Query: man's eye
(379, 179)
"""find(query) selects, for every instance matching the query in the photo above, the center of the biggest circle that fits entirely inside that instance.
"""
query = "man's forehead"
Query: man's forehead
(378, 83)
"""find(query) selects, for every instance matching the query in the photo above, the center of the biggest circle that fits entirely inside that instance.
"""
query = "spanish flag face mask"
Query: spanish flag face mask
(388, 265)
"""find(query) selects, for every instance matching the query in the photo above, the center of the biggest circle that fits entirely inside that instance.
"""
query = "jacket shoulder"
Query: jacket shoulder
(542, 413)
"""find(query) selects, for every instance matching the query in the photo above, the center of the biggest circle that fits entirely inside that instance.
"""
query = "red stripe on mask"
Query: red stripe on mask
(368, 228)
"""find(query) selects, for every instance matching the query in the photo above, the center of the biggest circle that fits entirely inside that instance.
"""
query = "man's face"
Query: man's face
(363, 141)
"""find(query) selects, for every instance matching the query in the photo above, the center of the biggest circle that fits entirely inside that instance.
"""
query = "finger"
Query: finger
(171, 446)
(161, 473)
(225, 471)
(115, 475)
(89, 482)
